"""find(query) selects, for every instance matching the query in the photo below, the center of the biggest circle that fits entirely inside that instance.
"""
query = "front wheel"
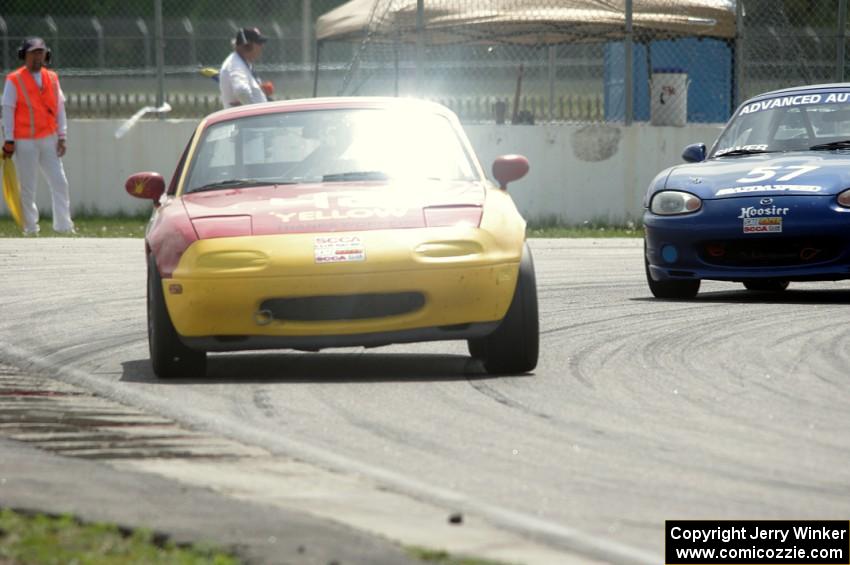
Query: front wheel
(766, 285)
(671, 289)
(170, 357)
(513, 348)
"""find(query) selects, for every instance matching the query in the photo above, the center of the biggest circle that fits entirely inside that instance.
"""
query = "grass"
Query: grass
(553, 227)
(40, 539)
(87, 226)
(440, 557)
(134, 226)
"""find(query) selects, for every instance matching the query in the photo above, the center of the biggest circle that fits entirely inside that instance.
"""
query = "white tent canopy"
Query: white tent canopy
(527, 22)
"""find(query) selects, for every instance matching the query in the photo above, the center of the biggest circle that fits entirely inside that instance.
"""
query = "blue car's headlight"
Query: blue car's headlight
(670, 202)
(844, 198)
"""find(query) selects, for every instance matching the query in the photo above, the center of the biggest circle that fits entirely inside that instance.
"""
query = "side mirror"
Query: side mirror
(509, 168)
(694, 153)
(145, 185)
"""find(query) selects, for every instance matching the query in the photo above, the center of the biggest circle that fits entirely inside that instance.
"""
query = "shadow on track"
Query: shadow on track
(321, 368)
(759, 297)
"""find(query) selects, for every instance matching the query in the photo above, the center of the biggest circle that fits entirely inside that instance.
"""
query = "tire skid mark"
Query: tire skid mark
(490, 392)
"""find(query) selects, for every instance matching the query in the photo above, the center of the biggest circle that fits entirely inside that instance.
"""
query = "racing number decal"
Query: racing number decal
(764, 173)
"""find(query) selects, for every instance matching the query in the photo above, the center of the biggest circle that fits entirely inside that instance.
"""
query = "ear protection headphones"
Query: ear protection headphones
(242, 35)
(22, 51)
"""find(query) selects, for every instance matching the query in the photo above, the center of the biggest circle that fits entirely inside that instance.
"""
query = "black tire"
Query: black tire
(477, 347)
(513, 348)
(171, 359)
(671, 289)
(766, 285)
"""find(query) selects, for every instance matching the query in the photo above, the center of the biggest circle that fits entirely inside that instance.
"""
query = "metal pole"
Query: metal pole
(306, 34)
(842, 34)
(54, 31)
(101, 54)
(552, 50)
(278, 33)
(316, 69)
(193, 49)
(159, 41)
(146, 38)
(420, 39)
(628, 75)
(739, 54)
(395, 64)
(5, 31)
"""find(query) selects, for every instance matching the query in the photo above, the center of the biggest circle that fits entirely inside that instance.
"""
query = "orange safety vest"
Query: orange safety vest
(37, 108)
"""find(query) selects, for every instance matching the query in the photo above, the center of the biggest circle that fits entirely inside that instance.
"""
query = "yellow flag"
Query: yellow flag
(12, 191)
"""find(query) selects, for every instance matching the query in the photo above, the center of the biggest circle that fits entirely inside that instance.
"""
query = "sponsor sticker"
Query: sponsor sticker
(338, 249)
(782, 102)
(799, 100)
(763, 225)
(752, 211)
(754, 147)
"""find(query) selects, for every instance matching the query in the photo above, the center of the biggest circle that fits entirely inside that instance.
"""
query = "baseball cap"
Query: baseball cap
(250, 35)
(33, 44)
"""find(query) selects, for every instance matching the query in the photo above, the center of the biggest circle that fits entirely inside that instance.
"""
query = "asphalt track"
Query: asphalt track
(734, 405)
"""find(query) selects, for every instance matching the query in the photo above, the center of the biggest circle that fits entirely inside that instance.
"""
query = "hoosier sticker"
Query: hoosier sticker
(763, 225)
(338, 249)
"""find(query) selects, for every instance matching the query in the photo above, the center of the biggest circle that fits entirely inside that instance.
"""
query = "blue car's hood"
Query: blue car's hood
(804, 172)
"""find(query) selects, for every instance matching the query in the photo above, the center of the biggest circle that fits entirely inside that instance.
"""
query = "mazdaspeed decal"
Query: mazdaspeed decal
(768, 188)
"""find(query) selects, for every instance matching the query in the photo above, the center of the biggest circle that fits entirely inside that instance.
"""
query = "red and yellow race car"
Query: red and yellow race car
(336, 222)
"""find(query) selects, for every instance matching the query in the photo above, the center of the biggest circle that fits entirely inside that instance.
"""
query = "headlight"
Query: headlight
(844, 198)
(669, 202)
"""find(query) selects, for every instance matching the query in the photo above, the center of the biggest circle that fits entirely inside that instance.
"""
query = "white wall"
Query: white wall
(578, 171)
(586, 171)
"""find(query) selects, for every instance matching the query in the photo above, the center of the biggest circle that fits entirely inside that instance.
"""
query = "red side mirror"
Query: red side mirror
(509, 168)
(145, 185)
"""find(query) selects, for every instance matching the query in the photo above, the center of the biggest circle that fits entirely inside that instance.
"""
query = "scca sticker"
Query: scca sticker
(763, 225)
(338, 249)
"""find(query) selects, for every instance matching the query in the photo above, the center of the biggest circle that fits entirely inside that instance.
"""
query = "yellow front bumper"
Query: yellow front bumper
(465, 275)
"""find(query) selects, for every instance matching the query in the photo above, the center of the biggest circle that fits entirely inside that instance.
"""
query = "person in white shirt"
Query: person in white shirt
(34, 130)
(236, 79)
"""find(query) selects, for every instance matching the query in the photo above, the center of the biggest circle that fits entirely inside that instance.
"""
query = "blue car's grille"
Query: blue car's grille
(769, 252)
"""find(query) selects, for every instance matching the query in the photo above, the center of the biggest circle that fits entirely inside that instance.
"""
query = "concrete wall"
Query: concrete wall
(578, 172)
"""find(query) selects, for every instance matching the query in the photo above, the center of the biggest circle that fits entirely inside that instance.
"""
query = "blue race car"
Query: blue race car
(768, 204)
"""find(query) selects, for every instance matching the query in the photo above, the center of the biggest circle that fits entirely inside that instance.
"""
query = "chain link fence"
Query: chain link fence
(522, 61)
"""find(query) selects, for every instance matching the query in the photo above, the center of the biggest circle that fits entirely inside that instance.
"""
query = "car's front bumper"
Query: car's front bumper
(814, 243)
(238, 293)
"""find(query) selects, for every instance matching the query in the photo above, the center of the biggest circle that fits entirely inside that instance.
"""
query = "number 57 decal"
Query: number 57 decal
(764, 173)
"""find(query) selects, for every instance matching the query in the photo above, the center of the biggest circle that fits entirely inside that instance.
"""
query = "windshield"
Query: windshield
(787, 123)
(328, 146)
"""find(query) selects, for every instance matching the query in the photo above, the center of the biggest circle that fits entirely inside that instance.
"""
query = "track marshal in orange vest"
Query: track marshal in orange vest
(34, 133)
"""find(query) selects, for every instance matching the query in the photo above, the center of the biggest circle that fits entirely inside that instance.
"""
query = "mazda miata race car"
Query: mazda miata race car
(768, 204)
(336, 222)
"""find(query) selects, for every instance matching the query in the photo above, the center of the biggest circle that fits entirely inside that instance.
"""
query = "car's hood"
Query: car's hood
(822, 173)
(329, 207)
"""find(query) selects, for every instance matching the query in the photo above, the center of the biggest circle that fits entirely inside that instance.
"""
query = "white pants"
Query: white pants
(30, 155)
